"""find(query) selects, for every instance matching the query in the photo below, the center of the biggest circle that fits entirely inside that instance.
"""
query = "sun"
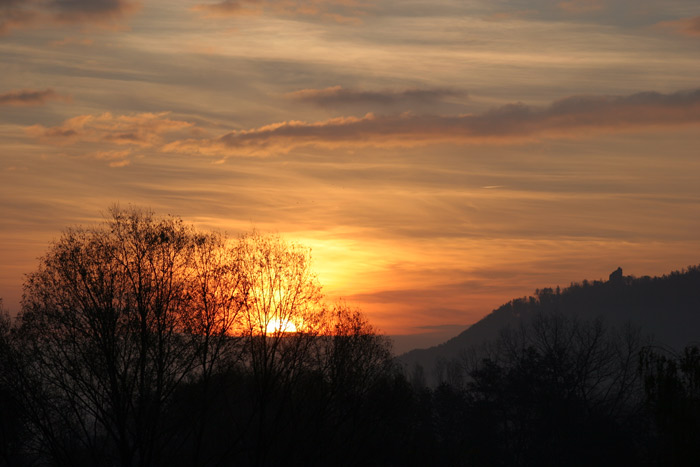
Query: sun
(277, 326)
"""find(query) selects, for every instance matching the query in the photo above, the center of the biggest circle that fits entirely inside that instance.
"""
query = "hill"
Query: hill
(666, 307)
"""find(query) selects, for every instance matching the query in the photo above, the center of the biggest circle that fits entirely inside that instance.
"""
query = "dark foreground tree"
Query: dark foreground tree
(144, 342)
(103, 331)
(12, 425)
(672, 389)
(558, 391)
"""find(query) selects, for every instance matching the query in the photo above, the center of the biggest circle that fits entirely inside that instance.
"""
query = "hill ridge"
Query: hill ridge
(667, 307)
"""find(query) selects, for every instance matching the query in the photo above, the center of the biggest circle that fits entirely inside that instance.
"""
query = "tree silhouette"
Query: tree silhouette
(11, 417)
(557, 391)
(672, 389)
(103, 317)
(281, 315)
(142, 341)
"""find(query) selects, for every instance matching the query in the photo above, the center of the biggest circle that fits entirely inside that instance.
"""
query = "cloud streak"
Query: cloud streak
(688, 27)
(581, 6)
(144, 129)
(340, 11)
(30, 97)
(17, 14)
(337, 96)
(572, 117)
(113, 158)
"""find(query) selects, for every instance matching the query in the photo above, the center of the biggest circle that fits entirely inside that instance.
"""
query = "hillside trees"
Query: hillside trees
(672, 393)
(556, 391)
(11, 420)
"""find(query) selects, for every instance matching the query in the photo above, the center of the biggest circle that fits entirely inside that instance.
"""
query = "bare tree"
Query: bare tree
(283, 308)
(356, 362)
(672, 395)
(128, 327)
(11, 420)
(216, 296)
(103, 317)
(216, 299)
(281, 317)
(553, 384)
(355, 355)
(579, 359)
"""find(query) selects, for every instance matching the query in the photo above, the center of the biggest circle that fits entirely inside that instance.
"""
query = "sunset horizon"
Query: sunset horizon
(438, 158)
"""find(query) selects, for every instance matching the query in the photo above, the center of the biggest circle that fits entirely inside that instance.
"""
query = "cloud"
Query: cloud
(144, 129)
(30, 97)
(510, 15)
(71, 41)
(230, 8)
(113, 158)
(15, 14)
(340, 11)
(572, 117)
(337, 96)
(91, 10)
(688, 27)
(623, 14)
(581, 6)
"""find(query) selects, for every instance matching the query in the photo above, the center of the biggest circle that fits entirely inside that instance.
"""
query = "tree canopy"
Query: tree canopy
(123, 319)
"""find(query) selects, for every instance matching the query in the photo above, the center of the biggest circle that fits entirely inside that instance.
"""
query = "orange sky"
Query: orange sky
(440, 157)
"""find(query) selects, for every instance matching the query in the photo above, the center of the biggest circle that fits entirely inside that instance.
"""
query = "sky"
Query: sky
(439, 157)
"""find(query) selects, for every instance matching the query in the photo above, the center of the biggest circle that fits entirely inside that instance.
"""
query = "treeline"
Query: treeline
(665, 307)
(143, 342)
(559, 390)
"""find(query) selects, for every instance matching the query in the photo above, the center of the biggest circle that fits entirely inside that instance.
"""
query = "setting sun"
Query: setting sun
(277, 326)
(436, 169)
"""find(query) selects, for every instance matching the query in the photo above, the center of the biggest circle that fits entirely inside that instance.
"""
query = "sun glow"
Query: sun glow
(278, 326)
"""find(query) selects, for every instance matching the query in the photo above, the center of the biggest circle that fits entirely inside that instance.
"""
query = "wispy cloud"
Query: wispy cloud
(113, 158)
(30, 97)
(230, 8)
(91, 10)
(71, 41)
(619, 13)
(144, 129)
(581, 6)
(688, 27)
(572, 117)
(16, 14)
(341, 11)
(337, 96)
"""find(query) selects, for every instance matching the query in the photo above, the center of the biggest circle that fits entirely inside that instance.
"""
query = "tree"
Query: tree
(672, 392)
(281, 316)
(216, 298)
(355, 356)
(11, 417)
(548, 391)
(104, 321)
(358, 369)
(215, 301)
(142, 341)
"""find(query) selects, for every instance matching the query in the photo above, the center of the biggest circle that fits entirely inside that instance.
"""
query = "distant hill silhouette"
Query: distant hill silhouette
(666, 307)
